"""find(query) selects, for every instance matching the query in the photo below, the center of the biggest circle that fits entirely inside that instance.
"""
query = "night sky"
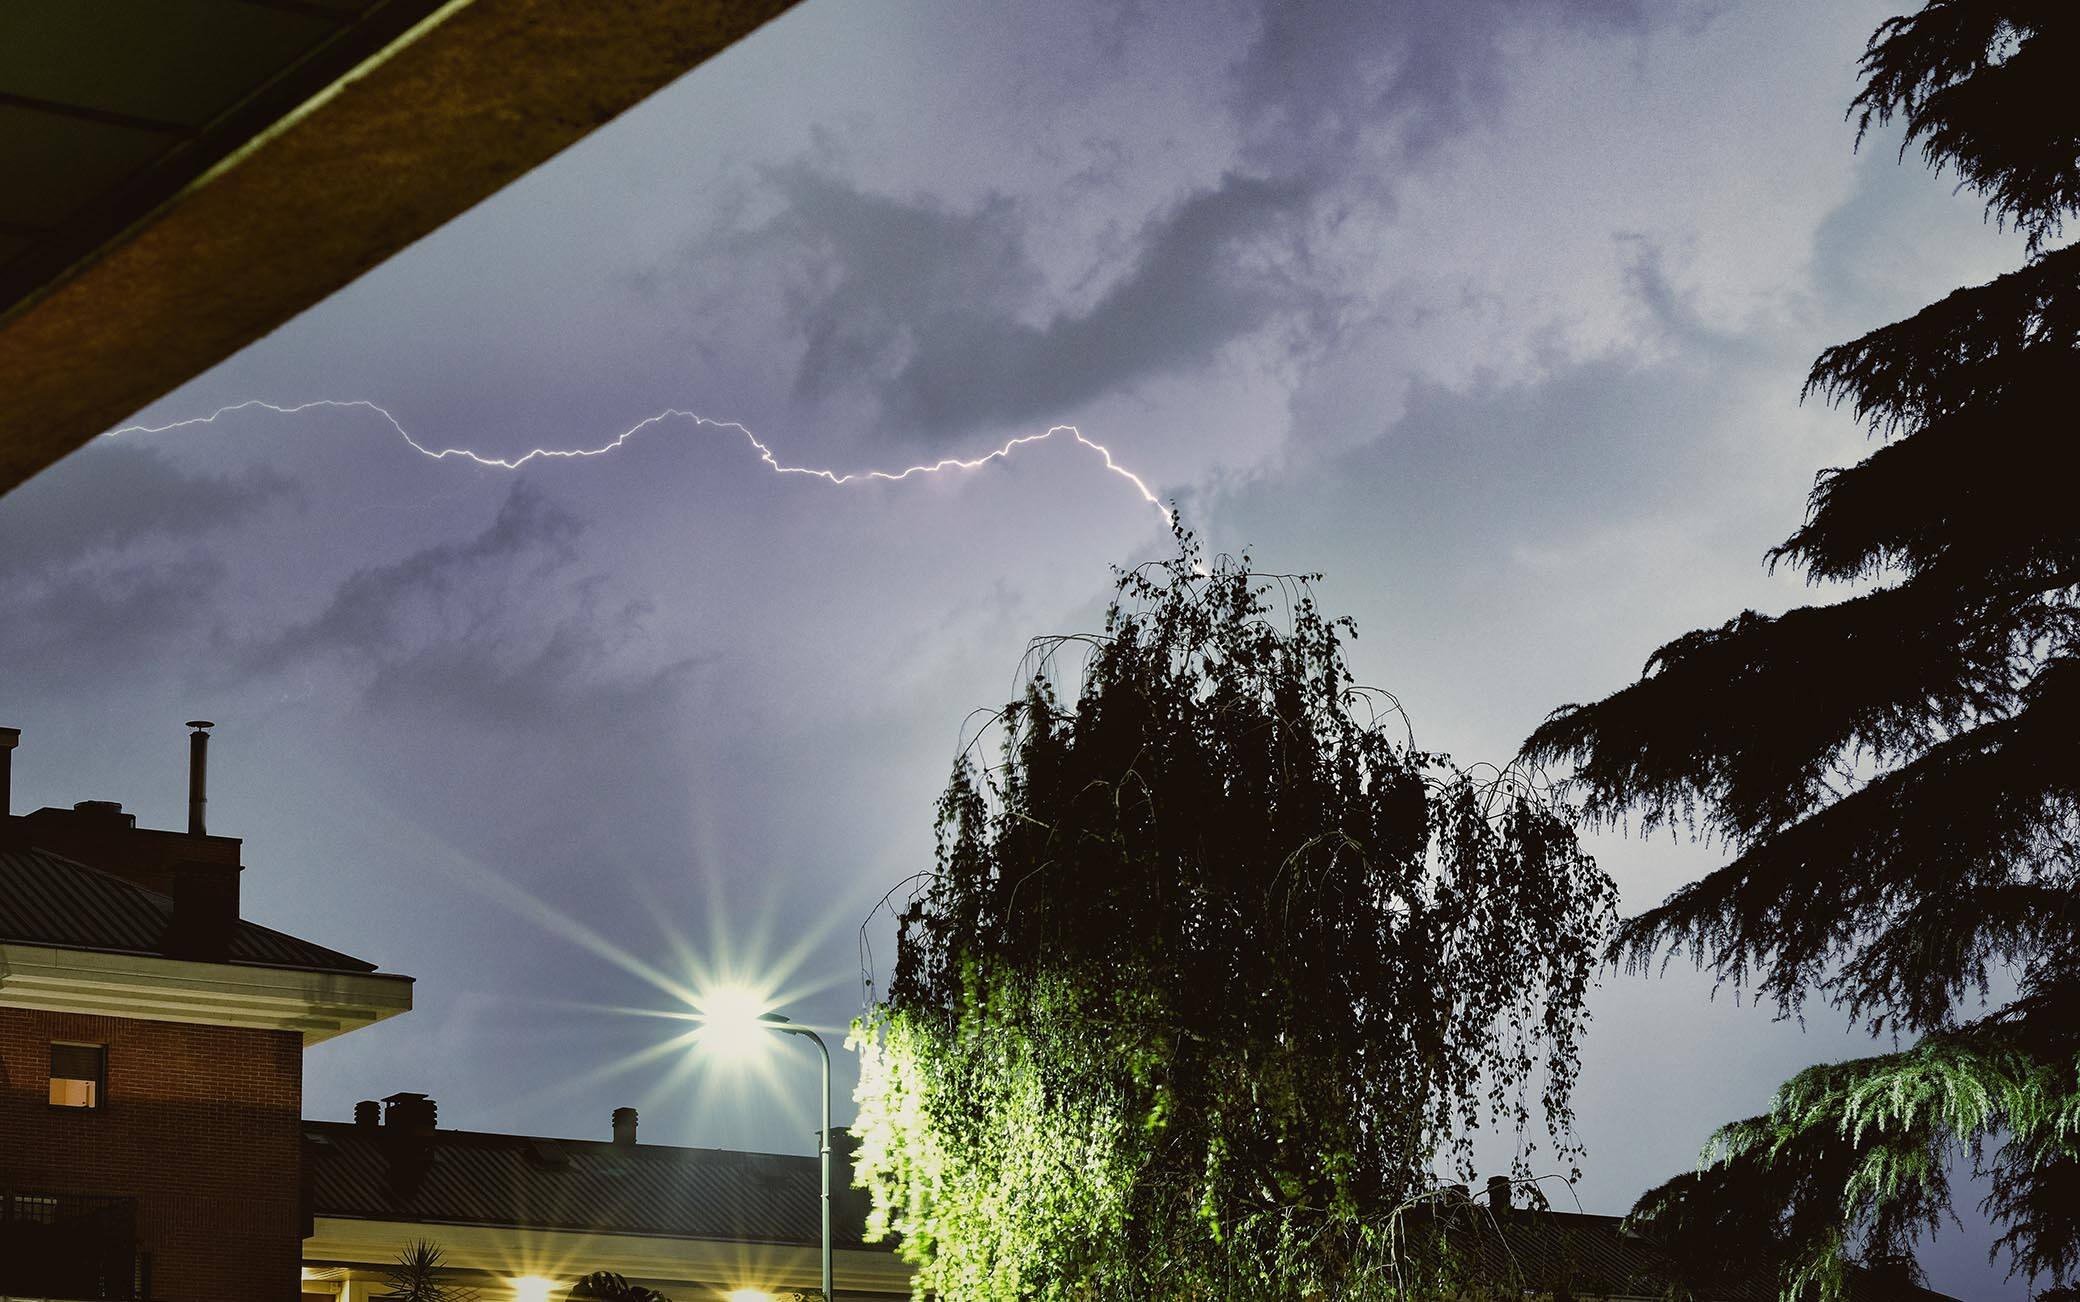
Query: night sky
(1495, 312)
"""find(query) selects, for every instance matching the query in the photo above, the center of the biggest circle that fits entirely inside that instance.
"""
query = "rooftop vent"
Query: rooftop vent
(105, 811)
(625, 1127)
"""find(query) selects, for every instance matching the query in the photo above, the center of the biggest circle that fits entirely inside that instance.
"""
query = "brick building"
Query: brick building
(151, 1060)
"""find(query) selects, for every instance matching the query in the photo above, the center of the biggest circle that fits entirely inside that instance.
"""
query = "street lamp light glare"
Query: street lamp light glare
(733, 1021)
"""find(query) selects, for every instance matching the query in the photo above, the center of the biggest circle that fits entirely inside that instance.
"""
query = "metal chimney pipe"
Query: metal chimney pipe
(9, 739)
(198, 774)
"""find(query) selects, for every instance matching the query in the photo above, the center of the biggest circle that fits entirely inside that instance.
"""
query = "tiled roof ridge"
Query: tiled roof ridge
(444, 1133)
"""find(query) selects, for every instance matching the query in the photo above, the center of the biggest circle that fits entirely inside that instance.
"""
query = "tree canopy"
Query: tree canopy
(1897, 774)
(1215, 968)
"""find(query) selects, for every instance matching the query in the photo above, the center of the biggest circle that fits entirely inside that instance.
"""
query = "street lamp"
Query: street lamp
(731, 1021)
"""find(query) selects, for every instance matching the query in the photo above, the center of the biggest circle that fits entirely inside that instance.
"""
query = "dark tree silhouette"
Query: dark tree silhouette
(418, 1276)
(1214, 968)
(1898, 774)
(606, 1286)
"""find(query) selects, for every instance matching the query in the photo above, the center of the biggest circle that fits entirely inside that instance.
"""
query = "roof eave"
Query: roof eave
(317, 1005)
(512, 1250)
(476, 95)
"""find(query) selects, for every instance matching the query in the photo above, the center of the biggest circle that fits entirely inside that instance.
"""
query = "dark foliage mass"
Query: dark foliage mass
(1963, 74)
(1898, 774)
(1214, 968)
(606, 1286)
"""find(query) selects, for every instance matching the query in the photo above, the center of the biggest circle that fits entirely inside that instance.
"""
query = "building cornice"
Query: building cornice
(317, 1005)
(512, 1252)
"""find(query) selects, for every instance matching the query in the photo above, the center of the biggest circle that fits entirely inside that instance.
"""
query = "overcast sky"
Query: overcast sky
(1496, 312)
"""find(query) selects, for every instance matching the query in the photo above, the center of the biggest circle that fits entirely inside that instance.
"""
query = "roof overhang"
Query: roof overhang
(510, 1252)
(417, 111)
(317, 1005)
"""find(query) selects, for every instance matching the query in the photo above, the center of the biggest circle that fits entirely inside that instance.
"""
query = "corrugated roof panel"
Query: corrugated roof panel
(465, 1177)
(46, 899)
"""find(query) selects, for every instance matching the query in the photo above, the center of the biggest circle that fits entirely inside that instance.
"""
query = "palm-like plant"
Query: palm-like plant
(418, 1276)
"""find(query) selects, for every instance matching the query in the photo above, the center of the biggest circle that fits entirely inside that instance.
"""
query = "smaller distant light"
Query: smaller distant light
(749, 1295)
(532, 1288)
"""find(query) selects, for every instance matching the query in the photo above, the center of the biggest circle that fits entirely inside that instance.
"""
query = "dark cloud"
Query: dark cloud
(888, 274)
(1672, 312)
(105, 567)
(84, 624)
(933, 312)
(498, 628)
(1322, 74)
(113, 495)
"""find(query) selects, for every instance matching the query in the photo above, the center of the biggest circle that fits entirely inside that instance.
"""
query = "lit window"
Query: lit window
(77, 1073)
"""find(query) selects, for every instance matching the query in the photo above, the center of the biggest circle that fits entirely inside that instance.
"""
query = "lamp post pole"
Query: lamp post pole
(781, 1024)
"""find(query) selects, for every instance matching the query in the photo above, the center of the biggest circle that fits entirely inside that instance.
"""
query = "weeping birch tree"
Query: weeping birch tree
(1215, 970)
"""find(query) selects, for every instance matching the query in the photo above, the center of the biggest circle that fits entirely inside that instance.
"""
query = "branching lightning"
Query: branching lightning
(765, 453)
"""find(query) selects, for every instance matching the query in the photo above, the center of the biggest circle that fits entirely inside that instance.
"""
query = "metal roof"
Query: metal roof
(1574, 1254)
(462, 1177)
(1588, 1256)
(46, 899)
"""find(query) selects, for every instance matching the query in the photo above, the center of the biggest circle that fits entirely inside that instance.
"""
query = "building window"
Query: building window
(78, 1073)
(70, 1246)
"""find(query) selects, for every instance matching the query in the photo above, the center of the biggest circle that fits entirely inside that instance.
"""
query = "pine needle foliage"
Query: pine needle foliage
(1961, 74)
(1214, 969)
(1897, 775)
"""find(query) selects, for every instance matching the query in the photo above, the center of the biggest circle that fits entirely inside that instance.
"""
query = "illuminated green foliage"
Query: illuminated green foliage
(1214, 969)
(1898, 774)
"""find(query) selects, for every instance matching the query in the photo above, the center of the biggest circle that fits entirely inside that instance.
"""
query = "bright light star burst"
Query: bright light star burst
(729, 1020)
(765, 453)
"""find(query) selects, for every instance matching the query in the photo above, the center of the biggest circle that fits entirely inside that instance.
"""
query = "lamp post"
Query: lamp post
(782, 1025)
(730, 1016)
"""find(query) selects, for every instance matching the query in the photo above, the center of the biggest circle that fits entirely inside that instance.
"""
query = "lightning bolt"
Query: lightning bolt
(765, 453)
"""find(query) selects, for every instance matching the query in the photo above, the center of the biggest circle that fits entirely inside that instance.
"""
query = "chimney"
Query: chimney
(205, 911)
(410, 1114)
(198, 773)
(368, 1114)
(625, 1127)
(1498, 1193)
(9, 739)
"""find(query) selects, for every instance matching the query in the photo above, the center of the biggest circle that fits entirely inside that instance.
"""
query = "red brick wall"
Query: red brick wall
(200, 1124)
